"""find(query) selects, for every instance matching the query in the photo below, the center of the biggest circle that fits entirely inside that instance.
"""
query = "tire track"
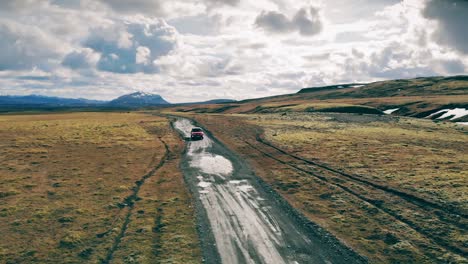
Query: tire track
(409, 197)
(378, 204)
(122, 205)
(130, 200)
(446, 215)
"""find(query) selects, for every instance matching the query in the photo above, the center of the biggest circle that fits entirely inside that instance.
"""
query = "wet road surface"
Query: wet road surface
(239, 220)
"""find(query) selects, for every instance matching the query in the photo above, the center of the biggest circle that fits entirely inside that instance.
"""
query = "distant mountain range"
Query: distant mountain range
(133, 100)
(39, 100)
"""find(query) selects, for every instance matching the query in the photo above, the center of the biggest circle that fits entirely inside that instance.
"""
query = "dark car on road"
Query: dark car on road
(196, 133)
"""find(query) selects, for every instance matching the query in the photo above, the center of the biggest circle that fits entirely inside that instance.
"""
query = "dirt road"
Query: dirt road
(241, 220)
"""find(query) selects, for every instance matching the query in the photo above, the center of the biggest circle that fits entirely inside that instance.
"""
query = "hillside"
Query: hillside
(455, 85)
(419, 97)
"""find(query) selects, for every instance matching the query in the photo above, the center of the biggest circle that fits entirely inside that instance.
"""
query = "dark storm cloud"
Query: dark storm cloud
(306, 21)
(132, 47)
(452, 18)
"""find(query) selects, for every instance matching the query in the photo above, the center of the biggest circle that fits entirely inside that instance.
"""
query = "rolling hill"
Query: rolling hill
(419, 97)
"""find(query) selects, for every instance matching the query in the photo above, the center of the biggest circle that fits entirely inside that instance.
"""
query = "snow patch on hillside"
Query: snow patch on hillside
(452, 113)
(390, 111)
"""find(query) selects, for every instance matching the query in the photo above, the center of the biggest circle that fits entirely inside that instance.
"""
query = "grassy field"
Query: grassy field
(392, 188)
(93, 187)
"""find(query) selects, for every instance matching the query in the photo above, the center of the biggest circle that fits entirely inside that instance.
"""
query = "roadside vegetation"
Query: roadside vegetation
(392, 188)
(93, 187)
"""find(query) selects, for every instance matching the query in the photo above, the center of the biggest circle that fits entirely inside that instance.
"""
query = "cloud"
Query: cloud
(346, 11)
(212, 48)
(222, 2)
(452, 66)
(161, 8)
(82, 59)
(16, 5)
(202, 24)
(397, 60)
(451, 16)
(274, 22)
(150, 7)
(132, 47)
(25, 47)
(306, 21)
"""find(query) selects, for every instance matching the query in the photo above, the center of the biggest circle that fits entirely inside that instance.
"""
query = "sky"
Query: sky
(194, 50)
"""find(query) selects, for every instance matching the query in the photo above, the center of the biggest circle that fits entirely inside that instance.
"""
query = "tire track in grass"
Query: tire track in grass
(406, 196)
(130, 200)
(447, 215)
(435, 240)
(122, 205)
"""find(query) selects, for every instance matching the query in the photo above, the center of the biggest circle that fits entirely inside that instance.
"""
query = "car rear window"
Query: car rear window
(196, 130)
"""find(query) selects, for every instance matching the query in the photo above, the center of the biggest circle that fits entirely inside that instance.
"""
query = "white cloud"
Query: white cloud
(26, 47)
(206, 49)
(132, 46)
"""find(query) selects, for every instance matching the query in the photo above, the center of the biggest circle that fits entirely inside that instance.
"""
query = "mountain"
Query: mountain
(138, 99)
(39, 100)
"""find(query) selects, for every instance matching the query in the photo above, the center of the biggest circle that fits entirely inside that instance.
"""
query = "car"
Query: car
(196, 133)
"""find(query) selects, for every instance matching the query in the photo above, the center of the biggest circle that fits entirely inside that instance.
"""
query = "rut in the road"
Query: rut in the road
(435, 239)
(130, 200)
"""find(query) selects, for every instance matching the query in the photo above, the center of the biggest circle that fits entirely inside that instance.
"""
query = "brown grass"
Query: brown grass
(63, 183)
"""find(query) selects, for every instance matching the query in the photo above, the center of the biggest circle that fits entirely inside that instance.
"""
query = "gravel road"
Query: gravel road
(240, 219)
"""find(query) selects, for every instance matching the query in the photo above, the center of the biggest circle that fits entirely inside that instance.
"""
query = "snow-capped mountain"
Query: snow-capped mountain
(138, 99)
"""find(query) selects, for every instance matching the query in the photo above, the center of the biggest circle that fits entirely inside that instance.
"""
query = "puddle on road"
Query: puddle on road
(211, 164)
